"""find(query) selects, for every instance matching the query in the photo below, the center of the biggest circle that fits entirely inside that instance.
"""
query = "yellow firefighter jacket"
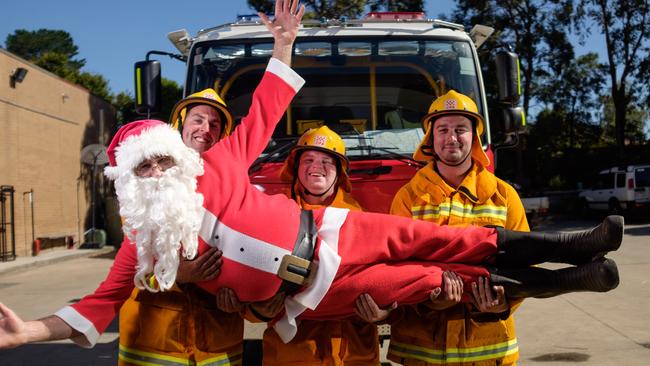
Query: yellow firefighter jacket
(458, 336)
(333, 342)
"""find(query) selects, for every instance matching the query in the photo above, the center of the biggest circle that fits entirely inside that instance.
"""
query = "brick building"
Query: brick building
(45, 121)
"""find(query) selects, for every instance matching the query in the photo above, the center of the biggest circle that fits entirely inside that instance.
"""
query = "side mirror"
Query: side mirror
(513, 119)
(507, 65)
(148, 87)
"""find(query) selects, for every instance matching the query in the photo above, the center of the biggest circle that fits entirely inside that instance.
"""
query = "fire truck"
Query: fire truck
(370, 80)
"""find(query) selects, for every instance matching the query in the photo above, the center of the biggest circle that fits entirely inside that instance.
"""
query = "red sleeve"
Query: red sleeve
(101, 306)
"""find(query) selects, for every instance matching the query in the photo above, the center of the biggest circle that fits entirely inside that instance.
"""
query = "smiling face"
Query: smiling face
(452, 139)
(201, 128)
(317, 172)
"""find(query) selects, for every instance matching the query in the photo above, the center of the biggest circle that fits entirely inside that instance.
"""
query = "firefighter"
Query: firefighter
(317, 170)
(208, 332)
(455, 188)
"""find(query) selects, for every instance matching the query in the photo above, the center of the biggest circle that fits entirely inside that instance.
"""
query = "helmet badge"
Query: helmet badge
(451, 104)
(320, 140)
(208, 95)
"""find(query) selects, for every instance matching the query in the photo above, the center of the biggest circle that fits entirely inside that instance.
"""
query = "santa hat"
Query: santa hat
(145, 139)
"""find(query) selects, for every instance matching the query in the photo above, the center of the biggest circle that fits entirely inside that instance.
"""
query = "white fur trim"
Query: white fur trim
(286, 73)
(156, 141)
(78, 322)
(328, 264)
(240, 247)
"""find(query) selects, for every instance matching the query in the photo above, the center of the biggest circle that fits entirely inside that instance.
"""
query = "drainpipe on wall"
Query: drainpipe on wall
(31, 206)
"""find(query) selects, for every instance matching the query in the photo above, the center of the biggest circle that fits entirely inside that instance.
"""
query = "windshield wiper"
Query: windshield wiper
(279, 151)
(388, 150)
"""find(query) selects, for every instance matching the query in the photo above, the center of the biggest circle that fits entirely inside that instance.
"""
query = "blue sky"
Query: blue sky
(113, 35)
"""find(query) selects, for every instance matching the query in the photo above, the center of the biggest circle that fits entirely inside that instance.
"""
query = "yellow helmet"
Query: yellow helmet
(452, 103)
(206, 97)
(320, 139)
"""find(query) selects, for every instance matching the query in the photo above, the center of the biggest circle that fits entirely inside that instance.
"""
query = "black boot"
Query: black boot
(521, 249)
(598, 276)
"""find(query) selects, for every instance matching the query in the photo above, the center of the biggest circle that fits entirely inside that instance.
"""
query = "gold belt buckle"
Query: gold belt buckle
(285, 274)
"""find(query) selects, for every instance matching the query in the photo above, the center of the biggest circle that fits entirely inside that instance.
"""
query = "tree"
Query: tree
(396, 5)
(95, 83)
(328, 9)
(571, 87)
(523, 24)
(263, 6)
(124, 107)
(635, 118)
(54, 50)
(626, 27)
(125, 104)
(171, 93)
(32, 45)
(56, 63)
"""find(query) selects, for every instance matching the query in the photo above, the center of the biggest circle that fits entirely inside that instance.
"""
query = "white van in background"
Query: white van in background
(619, 188)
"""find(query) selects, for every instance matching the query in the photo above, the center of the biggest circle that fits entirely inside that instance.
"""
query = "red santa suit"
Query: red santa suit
(256, 231)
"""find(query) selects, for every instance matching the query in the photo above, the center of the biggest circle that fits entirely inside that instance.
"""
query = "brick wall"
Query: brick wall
(45, 121)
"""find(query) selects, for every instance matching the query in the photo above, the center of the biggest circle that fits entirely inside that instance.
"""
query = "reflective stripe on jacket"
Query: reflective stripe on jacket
(319, 342)
(421, 336)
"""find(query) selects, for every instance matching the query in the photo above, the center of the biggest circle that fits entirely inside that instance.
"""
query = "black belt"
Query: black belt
(297, 269)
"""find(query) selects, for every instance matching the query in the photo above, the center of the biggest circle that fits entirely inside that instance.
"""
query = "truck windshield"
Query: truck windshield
(373, 92)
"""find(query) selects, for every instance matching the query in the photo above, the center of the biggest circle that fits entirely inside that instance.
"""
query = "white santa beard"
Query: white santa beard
(159, 214)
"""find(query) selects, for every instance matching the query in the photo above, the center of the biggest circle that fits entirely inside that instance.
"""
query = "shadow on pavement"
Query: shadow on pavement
(61, 354)
(560, 357)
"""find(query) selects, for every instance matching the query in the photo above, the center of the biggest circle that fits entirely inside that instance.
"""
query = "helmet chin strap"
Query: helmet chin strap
(468, 155)
(322, 194)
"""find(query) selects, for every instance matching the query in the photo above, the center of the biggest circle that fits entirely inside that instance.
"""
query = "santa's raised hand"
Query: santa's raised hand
(284, 27)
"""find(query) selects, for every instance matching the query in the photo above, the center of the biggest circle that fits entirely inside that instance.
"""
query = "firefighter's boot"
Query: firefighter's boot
(598, 276)
(520, 249)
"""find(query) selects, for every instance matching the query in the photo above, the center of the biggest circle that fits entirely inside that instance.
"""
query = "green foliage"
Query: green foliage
(625, 25)
(316, 9)
(525, 25)
(125, 108)
(95, 83)
(54, 50)
(575, 109)
(557, 182)
(32, 45)
(635, 117)
(125, 104)
(56, 63)
(171, 93)
(396, 5)
(572, 88)
(264, 6)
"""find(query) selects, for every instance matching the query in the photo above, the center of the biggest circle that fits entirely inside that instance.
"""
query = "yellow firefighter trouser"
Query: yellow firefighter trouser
(178, 328)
